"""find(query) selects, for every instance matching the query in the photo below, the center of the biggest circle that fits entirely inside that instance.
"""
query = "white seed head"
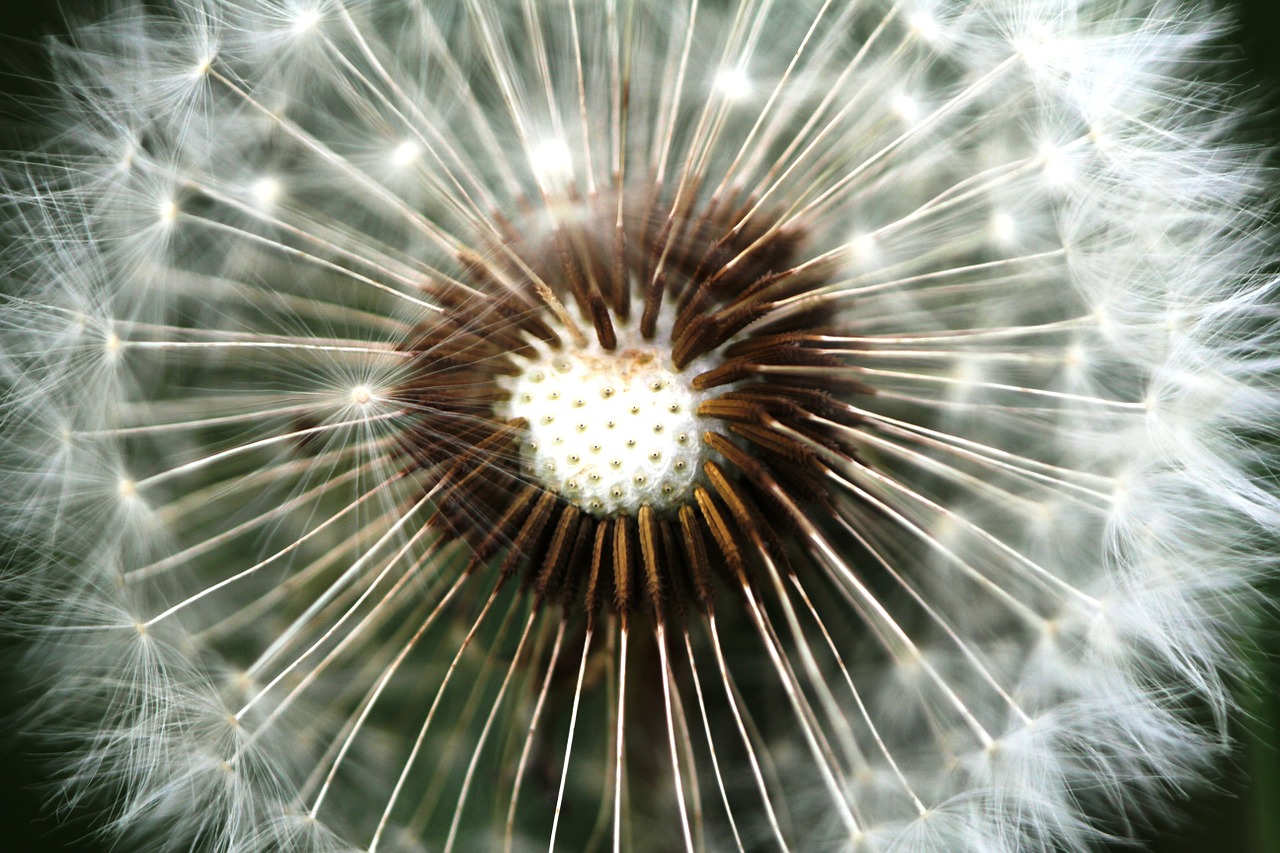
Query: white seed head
(610, 431)
(964, 345)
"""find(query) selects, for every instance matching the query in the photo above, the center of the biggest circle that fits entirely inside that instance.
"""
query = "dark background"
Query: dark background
(1240, 815)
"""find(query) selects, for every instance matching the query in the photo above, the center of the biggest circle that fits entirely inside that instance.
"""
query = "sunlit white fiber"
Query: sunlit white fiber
(999, 544)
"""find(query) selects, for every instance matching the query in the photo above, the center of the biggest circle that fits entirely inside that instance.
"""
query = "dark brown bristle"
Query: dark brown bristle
(695, 553)
(572, 268)
(526, 540)
(649, 557)
(620, 277)
(580, 565)
(714, 330)
(767, 440)
(791, 403)
(558, 552)
(623, 564)
(722, 533)
(652, 305)
(725, 409)
(598, 556)
(603, 323)
(725, 374)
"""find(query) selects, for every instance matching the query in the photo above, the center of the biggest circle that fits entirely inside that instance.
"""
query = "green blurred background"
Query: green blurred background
(1240, 815)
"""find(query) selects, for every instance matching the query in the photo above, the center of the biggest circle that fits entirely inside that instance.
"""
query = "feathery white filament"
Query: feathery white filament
(1039, 287)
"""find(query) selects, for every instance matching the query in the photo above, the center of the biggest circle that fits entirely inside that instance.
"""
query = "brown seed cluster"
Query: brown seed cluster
(710, 291)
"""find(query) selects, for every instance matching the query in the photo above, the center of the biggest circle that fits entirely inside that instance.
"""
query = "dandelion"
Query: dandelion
(622, 425)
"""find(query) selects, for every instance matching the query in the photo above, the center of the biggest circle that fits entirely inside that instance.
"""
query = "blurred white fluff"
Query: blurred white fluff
(1051, 250)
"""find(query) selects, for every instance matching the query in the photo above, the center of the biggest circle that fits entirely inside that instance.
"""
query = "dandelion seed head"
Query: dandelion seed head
(633, 425)
(1058, 168)
(362, 395)
(265, 190)
(925, 25)
(169, 211)
(306, 19)
(405, 153)
(734, 83)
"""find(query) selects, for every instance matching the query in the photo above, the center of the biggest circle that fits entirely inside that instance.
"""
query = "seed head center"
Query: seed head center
(610, 431)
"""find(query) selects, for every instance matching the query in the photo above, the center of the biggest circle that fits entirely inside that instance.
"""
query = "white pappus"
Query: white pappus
(632, 425)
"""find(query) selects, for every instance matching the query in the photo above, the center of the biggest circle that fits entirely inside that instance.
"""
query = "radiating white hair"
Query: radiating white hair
(991, 474)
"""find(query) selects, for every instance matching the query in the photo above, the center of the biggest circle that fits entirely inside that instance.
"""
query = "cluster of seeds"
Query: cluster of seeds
(611, 432)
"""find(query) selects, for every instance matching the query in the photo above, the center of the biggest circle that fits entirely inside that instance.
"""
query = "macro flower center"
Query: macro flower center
(633, 425)
(609, 431)
(624, 396)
